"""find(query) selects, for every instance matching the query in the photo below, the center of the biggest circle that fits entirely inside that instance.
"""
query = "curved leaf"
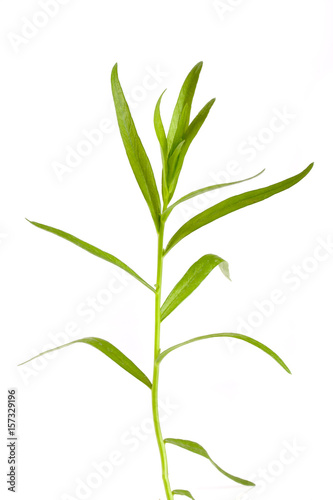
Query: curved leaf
(94, 250)
(239, 336)
(188, 137)
(198, 192)
(231, 205)
(191, 280)
(185, 97)
(199, 450)
(135, 151)
(185, 493)
(109, 350)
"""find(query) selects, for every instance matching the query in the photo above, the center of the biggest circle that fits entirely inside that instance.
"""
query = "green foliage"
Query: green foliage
(231, 205)
(191, 280)
(174, 145)
(185, 493)
(238, 336)
(94, 250)
(199, 450)
(111, 352)
(135, 151)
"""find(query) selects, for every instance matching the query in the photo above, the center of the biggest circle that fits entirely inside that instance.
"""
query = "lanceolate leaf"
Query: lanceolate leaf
(161, 136)
(198, 192)
(239, 336)
(109, 350)
(185, 97)
(159, 129)
(94, 250)
(231, 205)
(185, 493)
(188, 137)
(199, 450)
(191, 280)
(135, 151)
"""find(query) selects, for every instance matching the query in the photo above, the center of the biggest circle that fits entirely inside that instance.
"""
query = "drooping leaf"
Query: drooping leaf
(185, 493)
(198, 192)
(231, 205)
(199, 450)
(188, 137)
(109, 350)
(135, 151)
(239, 336)
(191, 280)
(94, 250)
(185, 97)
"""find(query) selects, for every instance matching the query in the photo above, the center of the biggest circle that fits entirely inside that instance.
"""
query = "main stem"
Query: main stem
(157, 425)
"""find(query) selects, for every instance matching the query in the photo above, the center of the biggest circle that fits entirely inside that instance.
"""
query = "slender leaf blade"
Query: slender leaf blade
(191, 280)
(172, 160)
(181, 128)
(198, 192)
(159, 129)
(109, 350)
(199, 450)
(135, 151)
(188, 137)
(231, 205)
(93, 250)
(239, 336)
(185, 97)
(185, 493)
(161, 136)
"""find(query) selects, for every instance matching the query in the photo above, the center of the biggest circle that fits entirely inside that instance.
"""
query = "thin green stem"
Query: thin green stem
(157, 350)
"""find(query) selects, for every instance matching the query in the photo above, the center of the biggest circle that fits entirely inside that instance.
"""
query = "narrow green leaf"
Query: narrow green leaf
(135, 151)
(172, 161)
(185, 493)
(181, 128)
(109, 350)
(94, 250)
(159, 129)
(198, 192)
(188, 137)
(191, 280)
(185, 97)
(239, 336)
(199, 450)
(231, 205)
(161, 136)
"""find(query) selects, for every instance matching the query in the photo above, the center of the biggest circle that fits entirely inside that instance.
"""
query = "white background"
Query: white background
(79, 408)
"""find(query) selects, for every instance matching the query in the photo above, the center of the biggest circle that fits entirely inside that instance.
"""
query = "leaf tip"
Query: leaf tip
(224, 267)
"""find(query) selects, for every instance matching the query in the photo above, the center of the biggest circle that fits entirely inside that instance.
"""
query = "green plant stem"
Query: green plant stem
(157, 425)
